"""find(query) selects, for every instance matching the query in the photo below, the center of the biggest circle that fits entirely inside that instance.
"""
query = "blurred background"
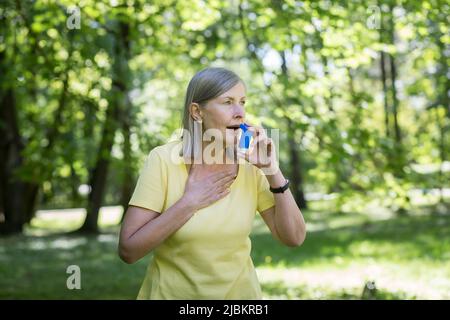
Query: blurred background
(360, 92)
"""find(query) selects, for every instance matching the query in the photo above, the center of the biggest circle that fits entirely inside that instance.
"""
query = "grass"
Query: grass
(406, 257)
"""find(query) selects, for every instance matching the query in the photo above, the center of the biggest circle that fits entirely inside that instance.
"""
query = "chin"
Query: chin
(230, 141)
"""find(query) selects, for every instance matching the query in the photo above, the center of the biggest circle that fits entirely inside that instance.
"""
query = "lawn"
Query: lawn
(403, 257)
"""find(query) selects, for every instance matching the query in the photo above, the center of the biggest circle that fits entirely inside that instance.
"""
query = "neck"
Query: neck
(220, 153)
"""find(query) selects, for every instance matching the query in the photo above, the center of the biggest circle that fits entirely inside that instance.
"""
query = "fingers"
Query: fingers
(221, 194)
(242, 155)
(259, 137)
(223, 184)
(217, 193)
(214, 197)
(217, 177)
(262, 144)
(229, 178)
(257, 131)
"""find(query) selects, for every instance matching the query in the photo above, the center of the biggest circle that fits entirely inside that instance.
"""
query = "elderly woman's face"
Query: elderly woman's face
(226, 112)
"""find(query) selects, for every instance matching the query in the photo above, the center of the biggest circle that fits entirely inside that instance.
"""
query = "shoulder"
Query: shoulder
(167, 153)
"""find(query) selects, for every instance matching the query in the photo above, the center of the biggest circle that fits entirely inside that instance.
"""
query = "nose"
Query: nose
(238, 111)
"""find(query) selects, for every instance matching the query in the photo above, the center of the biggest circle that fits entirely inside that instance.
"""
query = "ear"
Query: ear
(195, 111)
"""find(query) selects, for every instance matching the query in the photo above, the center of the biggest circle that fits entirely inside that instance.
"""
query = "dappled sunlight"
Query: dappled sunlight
(397, 279)
(366, 248)
(107, 238)
(38, 245)
(67, 243)
(65, 220)
(353, 95)
(110, 216)
(406, 257)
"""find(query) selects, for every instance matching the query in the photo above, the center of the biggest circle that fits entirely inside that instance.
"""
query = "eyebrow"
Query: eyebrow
(228, 97)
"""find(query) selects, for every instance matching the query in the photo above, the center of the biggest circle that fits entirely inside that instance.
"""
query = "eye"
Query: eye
(243, 102)
(228, 102)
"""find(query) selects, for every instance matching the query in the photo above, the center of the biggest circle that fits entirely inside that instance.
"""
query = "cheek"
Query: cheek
(217, 118)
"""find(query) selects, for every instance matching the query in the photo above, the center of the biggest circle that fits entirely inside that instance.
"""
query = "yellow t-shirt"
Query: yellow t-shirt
(209, 256)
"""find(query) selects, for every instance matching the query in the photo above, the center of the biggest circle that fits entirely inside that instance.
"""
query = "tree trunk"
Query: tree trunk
(127, 182)
(74, 183)
(32, 191)
(11, 146)
(10, 160)
(117, 103)
(294, 159)
(12, 188)
(98, 176)
(443, 99)
(397, 131)
(385, 92)
(296, 168)
(398, 137)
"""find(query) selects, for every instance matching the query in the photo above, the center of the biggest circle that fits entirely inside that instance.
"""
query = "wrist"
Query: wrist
(188, 204)
(270, 170)
(276, 180)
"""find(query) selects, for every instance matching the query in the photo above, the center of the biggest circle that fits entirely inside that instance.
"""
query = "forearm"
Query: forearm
(154, 232)
(289, 222)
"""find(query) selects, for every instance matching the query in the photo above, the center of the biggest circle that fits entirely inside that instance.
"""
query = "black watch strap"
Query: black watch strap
(280, 189)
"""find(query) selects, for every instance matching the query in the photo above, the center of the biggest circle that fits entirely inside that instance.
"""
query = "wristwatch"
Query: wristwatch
(280, 189)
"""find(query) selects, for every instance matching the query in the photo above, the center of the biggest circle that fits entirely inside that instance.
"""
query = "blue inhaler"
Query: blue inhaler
(246, 136)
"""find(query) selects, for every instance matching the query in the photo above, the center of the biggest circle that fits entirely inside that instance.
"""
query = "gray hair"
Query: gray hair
(206, 84)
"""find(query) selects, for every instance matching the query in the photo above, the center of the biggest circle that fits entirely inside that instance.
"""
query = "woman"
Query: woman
(196, 216)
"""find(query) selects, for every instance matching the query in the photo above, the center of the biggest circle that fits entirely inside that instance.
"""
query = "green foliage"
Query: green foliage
(312, 70)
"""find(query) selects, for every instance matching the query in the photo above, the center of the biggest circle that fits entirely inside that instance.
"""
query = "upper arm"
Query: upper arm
(135, 219)
(268, 216)
(151, 188)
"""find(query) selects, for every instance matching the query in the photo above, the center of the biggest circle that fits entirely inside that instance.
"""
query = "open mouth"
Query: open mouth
(235, 127)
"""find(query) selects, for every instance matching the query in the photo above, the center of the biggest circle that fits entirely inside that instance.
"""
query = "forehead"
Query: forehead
(237, 92)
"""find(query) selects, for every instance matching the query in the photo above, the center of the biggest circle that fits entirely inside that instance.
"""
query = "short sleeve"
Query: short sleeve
(151, 188)
(265, 197)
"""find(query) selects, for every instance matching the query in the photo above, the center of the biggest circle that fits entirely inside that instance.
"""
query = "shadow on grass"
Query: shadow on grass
(401, 238)
(35, 267)
(278, 290)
